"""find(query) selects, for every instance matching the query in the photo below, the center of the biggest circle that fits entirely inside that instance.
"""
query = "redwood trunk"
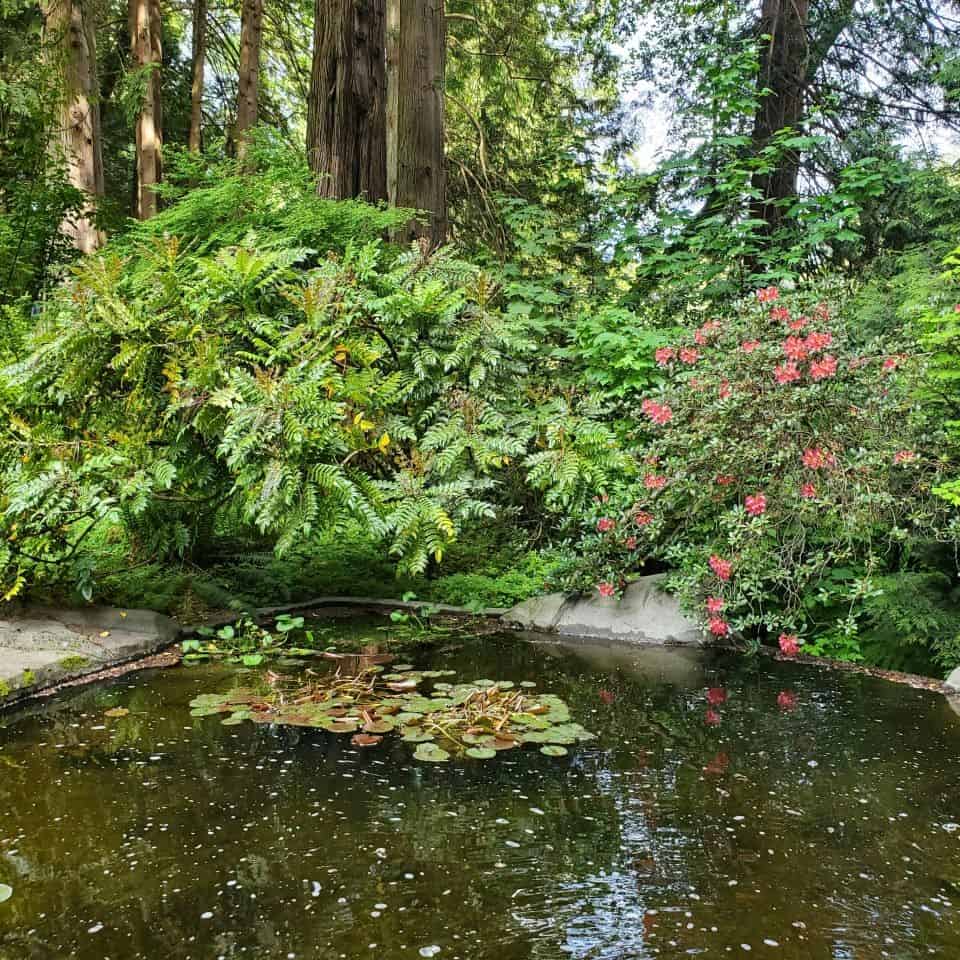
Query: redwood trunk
(346, 118)
(195, 141)
(248, 86)
(146, 52)
(784, 72)
(416, 62)
(77, 137)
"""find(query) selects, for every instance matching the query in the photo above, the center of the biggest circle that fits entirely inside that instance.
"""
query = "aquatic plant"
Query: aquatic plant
(441, 719)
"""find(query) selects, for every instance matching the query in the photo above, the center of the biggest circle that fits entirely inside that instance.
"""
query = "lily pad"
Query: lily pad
(481, 753)
(554, 751)
(6, 892)
(116, 712)
(365, 740)
(431, 753)
(416, 735)
(380, 725)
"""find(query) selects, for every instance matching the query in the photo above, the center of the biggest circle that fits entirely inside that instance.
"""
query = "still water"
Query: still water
(728, 808)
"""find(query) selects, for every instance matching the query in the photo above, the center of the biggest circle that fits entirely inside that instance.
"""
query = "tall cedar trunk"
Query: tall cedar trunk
(346, 111)
(248, 85)
(416, 62)
(784, 72)
(146, 53)
(77, 138)
(195, 141)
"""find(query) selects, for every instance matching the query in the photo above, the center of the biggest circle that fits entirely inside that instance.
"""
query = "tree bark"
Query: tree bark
(199, 55)
(77, 137)
(146, 54)
(416, 62)
(346, 111)
(248, 85)
(783, 72)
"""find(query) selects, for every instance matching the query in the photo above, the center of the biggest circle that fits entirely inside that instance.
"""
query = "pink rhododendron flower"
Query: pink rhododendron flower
(808, 491)
(817, 341)
(786, 700)
(890, 363)
(823, 369)
(689, 355)
(768, 294)
(725, 391)
(607, 696)
(799, 323)
(816, 459)
(606, 589)
(664, 356)
(722, 568)
(643, 518)
(756, 504)
(789, 644)
(780, 314)
(606, 524)
(748, 346)
(786, 373)
(630, 543)
(653, 482)
(795, 348)
(658, 413)
(718, 627)
(904, 456)
(711, 718)
(702, 336)
(716, 696)
(718, 765)
(715, 605)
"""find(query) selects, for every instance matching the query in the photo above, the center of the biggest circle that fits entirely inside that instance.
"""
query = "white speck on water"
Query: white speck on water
(951, 827)
(430, 951)
(206, 916)
(771, 943)
(96, 928)
(537, 811)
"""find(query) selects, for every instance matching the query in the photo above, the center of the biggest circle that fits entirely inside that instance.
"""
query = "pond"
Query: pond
(728, 806)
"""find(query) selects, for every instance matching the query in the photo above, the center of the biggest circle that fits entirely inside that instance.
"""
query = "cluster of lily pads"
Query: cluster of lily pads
(442, 719)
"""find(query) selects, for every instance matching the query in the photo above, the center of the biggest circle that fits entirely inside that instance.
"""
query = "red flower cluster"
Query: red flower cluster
(653, 482)
(605, 524)
(789, 644)
(823, 368)
(818, 341)
(725, 391)
(711, 718)
(786, 700)
(658, 413)
(722, 568)
(780, 314)
(786, 373)
(689, 355)
(630, 543)
(724, 479)
(606, 589)
(702, 336)
(904, 456)
(816, 459)
(718, 627)
(808, 491)
(716, 696)
(643, 518)
(715, 605)
(665, 356)
(756, 504)
(795, 348)
(748, 346)
(768, 294)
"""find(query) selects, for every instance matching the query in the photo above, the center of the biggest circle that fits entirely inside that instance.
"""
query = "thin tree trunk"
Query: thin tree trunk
(195, 141)
(146, 52)
(248, 86)
(346, 111)
(783, 72)
(77, 138)
(416, 62)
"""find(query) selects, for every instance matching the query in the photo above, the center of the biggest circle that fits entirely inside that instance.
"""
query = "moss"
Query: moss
(74, 663)
(28, 679)
(5, 690)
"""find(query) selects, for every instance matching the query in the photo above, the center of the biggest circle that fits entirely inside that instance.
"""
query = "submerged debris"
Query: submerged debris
(441, 719)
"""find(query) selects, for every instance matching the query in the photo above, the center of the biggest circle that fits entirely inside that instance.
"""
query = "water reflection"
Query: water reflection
(726, 805)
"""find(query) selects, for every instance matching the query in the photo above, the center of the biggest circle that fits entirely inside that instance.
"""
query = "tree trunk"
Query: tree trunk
(783, 72)
(248, 86)
(346, 111)
(416, 61)
(146, 54)
(78, 135)
(195, 141)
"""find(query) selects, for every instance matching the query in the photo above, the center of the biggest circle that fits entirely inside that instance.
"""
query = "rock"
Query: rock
(645, 614)
(43, 646)
(953, 681)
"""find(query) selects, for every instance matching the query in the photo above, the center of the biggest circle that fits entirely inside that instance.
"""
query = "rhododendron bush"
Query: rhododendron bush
(774, 455)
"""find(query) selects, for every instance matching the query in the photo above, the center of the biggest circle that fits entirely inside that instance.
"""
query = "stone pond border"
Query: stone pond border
(43, 649)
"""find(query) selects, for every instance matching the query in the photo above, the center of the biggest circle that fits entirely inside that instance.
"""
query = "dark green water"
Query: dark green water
(810, 815)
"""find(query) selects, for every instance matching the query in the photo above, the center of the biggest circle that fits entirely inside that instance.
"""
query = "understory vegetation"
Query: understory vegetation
(561, 369)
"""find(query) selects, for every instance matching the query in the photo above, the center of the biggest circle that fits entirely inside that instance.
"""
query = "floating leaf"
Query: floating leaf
(380, 725)
(431, 753)
(416, 735)
(365, 740)
(481, 753)
(253, 660)
(553, 751)
(114, 712)
(6, 892)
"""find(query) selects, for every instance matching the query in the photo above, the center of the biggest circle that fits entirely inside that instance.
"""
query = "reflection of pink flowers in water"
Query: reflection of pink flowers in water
(786, 700)
(718, 765)
(606, 589)
(716, 696)
(607, 697)
(711, 718)
(789, 644)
